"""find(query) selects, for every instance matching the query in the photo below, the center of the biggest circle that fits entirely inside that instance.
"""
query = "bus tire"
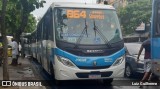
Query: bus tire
(51, 70)
(57, 82)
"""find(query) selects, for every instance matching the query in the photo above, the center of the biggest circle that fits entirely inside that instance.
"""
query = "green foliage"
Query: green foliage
(134, 14)
(31, 25)
(18, 17)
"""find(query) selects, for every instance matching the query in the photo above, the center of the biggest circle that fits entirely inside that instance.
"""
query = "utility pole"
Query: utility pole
(4, 41)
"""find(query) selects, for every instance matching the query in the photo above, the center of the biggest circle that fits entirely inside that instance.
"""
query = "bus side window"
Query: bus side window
(48, 25)
(51, 26)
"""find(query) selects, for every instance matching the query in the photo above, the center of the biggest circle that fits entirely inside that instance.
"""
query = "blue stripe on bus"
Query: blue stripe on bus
(155, 48)
(88, 61)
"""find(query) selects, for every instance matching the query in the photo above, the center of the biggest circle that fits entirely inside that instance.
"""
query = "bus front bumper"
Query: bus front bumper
(63, 72)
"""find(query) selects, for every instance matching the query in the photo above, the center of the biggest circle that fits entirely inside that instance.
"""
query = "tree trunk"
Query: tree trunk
(24, 21)
(5, 46)
(21, 29)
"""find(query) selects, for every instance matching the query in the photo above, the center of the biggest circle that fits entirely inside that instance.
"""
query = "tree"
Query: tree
(15, 18)
(18, 14)
(24, 7)
(13, 21)
(31, 25)
(27, 6)
(134, 14)
(4, 42)
(131, 1)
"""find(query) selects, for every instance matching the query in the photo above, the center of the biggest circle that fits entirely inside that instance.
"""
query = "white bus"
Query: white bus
(76, 41)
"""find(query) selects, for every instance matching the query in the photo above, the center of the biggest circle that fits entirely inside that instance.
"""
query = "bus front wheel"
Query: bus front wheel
(57, 82)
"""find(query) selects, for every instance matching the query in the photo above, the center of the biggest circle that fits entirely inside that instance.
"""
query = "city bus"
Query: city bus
(155, 37)
(77, 41)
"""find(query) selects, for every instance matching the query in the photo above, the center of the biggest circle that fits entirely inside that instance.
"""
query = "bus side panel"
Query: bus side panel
(155, 47)
(45, 55)
(48, 40)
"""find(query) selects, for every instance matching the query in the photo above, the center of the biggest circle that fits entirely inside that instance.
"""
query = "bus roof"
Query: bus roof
(81, 5)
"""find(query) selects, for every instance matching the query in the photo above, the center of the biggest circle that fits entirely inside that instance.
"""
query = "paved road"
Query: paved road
(118, 83)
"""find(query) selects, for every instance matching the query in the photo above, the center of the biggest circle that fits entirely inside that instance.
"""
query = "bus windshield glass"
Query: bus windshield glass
(87, 26)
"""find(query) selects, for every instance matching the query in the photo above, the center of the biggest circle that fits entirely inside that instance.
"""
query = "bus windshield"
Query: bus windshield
(87, 26)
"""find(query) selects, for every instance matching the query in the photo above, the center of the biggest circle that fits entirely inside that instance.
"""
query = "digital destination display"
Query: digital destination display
(93, 14)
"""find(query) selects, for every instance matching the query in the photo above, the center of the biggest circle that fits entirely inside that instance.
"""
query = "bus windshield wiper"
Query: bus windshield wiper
(95, 28)
(82, 33)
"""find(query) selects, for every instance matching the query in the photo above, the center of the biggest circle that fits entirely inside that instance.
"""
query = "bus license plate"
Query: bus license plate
(94, 76)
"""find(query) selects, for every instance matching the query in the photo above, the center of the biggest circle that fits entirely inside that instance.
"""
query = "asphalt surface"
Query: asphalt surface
(118, 83)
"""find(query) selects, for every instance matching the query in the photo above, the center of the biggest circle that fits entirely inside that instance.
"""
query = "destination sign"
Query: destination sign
(93, 14)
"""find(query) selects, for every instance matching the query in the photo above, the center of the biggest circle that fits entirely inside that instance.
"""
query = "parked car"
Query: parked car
(132, 66)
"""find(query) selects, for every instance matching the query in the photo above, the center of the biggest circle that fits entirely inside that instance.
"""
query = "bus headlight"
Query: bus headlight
(65, 61)
(118, 61)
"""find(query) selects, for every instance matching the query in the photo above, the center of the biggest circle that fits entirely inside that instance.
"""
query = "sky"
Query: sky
(40, 12)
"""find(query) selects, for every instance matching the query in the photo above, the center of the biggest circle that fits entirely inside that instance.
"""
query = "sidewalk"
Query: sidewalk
(21, 72)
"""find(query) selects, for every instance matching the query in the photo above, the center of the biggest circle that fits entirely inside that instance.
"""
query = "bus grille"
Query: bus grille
(93, 67)
(86, 75)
